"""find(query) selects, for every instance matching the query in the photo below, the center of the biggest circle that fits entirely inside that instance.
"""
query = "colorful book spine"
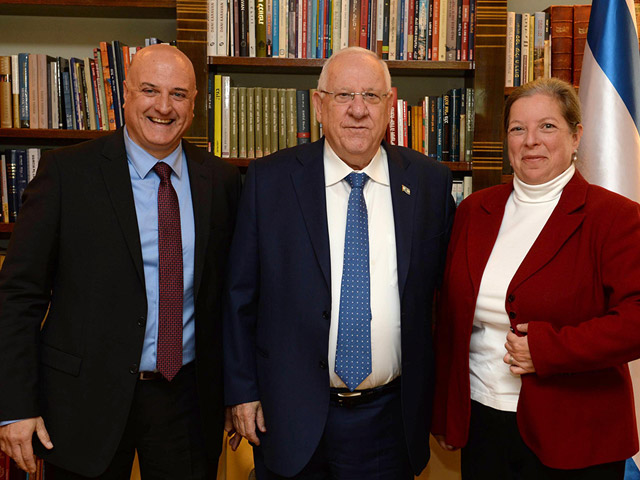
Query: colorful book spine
(302, 109)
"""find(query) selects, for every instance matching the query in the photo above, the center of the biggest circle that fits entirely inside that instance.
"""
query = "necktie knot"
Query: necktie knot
(357, 180)
(163, 170)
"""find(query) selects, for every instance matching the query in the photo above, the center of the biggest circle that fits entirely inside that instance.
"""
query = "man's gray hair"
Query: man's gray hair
(322, 80)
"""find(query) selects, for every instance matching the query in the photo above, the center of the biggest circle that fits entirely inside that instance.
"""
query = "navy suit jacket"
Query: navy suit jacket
(276, 328)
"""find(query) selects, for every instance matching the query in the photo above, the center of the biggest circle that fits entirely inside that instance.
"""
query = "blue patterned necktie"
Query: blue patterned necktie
(353, 351)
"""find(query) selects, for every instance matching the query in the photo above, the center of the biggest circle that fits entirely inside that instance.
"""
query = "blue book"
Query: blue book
(275, 37)
(400, 30)
(69, 117)
(23, 69)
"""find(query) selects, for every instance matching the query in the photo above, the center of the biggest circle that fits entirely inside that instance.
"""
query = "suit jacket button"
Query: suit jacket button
(326, 315)
(511, 298)
(512, 315)
(133, 369)
(140, 322)
(323, 364)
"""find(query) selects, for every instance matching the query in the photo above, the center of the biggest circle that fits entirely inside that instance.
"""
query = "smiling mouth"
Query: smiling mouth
(161, 121)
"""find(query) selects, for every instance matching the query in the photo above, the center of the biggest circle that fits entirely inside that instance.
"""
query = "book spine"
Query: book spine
(269, 26)
(279, 36)
(226, 116)
(446, 127)
(472, 30)
(34, 117)
(252, 28)
(90, 95)
(15, 90)
(454, 120)
(12, 183)
(517, 51)
(258, 122)
(364, 15)
(101, 94)
(452, 15)
(423, 18)
(435, 33)
(107, 86)
(6, 112)
(21, 176)
(469, 123)
(314, 127)
(251, 122)
(581, 15)
(524, 50)
(291, 29)
(242, 122)
(386, 13)
(302, 110)
(261, 28)
(510, 51)
(212, 36)
(54, 88)
(442, 40)
(561, 31)
(33, 159)
(275, 122)
(393, 119)
(4, 199)
(233, 122)
(217, 115)
(393, 29)
(292, 113)
(23, 61)
(222, 29)
(266, 122)
(243, 20)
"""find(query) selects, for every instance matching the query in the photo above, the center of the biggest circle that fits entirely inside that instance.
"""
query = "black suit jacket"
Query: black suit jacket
(277, 326)
(75, 251)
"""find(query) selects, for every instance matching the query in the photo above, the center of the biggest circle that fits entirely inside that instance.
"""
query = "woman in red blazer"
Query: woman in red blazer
(540, 310)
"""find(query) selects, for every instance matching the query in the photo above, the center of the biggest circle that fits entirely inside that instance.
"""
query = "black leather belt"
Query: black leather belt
(150, 375)
(346, 398)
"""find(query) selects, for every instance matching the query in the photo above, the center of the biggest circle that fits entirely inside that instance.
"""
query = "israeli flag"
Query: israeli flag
(609, 153)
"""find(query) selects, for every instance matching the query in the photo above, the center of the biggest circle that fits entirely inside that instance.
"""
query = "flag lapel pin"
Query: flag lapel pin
(406, 190)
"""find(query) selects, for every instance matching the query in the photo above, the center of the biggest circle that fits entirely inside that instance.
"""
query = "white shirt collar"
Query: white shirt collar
(336, 170)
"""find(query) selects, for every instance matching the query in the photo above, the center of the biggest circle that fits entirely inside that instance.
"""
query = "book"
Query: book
(233, 122)
(292, 117)
(314, 126)
(242, 122)
(226, 117)
(212, 37)
(23, 79)
(250, 122)
(33, 159)
(243, 27)
(274, 121)
(435, 31)
(581, 15)
(113, 82)
(98, 78)
(11, 161)
(90, 97)
(538, 45)
(464, 46)
(4, 196)
(34, 117)
(108, 89)
(455, 96)
(510, 50)
(524, 50)
(282, 119)
(77, 96)
(6, 96)
(53, 80)
(517, 51)
(266, 121)
(15, 91)
(446, 127)
(393, 29)
(442, 52)
(452, 16)
(561, 31)
(217, 116)
(258, 124)
(303, 134)
(472, 29)
(469, 123)
(261, 28)
(252, 28)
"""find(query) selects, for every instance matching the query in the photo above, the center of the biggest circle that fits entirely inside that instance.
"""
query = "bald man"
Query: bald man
(123, 241)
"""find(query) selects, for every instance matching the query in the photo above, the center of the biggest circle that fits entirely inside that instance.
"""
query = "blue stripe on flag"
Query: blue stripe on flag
(631, 472)
(611, 36)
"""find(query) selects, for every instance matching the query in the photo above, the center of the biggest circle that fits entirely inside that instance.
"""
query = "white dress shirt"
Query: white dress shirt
(383, 265)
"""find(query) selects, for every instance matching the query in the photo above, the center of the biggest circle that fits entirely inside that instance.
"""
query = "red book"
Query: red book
(393, 122)
(561, 26)
(464, 46)
(581, 15)
(108, 93)
(364, 22)
(435, 33)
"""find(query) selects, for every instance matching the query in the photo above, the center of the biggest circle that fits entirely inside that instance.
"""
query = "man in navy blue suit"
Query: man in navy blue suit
(338, 249)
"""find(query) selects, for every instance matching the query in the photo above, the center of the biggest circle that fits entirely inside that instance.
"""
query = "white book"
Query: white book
(91, 105)
(33, 158)
(442, 37)
(252, 28)
(336, 26)
(400, 122)
(231, 29)
(425, 125)
(226, 116)
(300, 43)
(211, 29)
(525, 50)
(53, 94)
(452, 33)
(467, 185)
(222, 27)
(511, 44)
(344, 23)
(379, 24)
(393, 29)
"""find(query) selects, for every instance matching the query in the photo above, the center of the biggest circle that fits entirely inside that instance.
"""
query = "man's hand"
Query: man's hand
(234, 436)
(246, 417)
(15, 441)
(518, 355)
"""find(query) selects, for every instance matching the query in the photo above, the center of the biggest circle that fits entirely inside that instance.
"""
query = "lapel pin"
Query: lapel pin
(406, 189)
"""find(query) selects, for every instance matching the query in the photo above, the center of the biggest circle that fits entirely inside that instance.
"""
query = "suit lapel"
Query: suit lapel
(200, 179)
(403, 208)
(308, 182)
(562, 223)
(483, 231)
(115, 171)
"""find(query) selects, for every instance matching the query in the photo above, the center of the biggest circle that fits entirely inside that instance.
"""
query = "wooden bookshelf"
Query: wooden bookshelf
(91, 8)
(53, 137)
(453, 166)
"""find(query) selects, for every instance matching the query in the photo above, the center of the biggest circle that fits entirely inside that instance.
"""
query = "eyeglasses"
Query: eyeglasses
(346, 97)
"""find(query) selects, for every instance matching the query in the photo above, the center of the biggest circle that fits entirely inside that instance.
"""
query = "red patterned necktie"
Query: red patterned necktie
(169, 356)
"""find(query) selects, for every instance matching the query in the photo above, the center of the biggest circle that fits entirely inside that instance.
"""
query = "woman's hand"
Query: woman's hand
(518, 356)
(443, 443)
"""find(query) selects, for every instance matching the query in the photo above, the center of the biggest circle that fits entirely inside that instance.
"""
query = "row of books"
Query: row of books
(10, 471)
(461, 188)
(394, 29)
(42, 91)
(441, 126)
(252, 122)
(546, 44)
(17, 169)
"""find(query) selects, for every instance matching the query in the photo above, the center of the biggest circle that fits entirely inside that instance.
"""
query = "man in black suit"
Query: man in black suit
(340, 239)
(121, 243)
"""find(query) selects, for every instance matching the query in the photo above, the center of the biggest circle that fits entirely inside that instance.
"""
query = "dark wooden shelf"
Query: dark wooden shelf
(314, 65)
(55, 137)
(6, 227)
(91, 8)
(454, 166)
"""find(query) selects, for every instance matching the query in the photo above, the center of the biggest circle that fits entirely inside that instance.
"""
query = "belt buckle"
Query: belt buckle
(353, 394)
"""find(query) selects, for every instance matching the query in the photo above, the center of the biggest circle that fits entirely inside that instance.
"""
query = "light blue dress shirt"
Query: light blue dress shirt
(145, 183)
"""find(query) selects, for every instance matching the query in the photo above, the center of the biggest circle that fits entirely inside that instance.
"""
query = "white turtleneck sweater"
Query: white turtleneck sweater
(526, 213)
